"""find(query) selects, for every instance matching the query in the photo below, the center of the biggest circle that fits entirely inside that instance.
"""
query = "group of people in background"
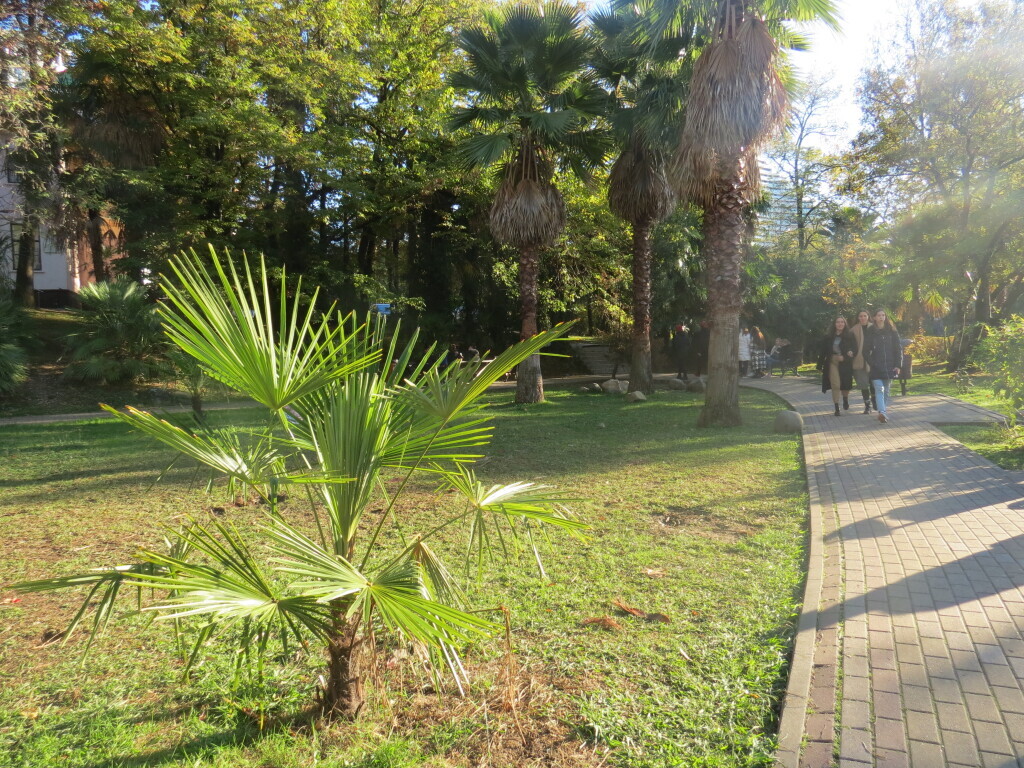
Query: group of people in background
(689, 350)
(869, 354)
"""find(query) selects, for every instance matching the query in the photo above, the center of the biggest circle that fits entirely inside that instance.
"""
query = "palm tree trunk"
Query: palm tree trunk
(94, 233)
(640, 376)
(344, 695)
(724, 227)
(24, 279)
(529, 382)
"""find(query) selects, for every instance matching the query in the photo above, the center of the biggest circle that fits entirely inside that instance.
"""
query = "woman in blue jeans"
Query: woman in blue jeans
(883, 353)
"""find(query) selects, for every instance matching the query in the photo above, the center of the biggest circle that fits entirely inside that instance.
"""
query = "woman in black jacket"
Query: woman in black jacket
(883, 353)
(835, 361)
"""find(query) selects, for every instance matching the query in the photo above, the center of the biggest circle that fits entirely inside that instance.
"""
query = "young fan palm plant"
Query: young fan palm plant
(532, 106)
(737, 100)
(646, 103)
(349, 409)
(122, 339)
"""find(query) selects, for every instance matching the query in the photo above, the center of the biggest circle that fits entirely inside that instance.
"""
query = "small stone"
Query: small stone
(788, 422)
(636, 397)
(611, 386)
(695, 385)
(624, 387)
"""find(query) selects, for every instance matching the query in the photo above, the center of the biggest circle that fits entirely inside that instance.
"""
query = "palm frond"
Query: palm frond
(228, 325)
(255, 462)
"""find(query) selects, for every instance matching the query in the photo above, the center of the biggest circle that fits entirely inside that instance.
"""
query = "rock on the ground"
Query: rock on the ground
(623, 386)
(695, 385)
(612, 386)
(788, 422)
(635, 397)
(677, 384)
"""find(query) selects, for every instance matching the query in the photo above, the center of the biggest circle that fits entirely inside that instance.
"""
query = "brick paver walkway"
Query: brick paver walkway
(910, 650)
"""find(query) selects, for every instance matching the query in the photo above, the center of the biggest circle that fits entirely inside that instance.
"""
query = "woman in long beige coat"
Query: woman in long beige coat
(860, 367)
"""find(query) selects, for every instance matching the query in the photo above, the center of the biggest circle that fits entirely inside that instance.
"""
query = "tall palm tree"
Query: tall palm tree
(532, 106)
(737, 100)
(646, 107)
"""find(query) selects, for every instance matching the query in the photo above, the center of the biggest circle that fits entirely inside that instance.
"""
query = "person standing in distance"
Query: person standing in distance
(884, 355)
(860, 331)
(680, 350)
(835, 362)
(744, 356)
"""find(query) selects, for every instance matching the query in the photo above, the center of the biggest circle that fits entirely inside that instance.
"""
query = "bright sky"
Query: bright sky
(845, 54)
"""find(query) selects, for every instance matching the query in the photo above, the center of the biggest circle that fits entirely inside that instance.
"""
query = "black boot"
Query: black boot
(837, 410)
(846, 403)
(866, 394)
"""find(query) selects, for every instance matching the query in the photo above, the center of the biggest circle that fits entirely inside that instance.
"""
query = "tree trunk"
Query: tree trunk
(724, 227)
(983, 304)
(344, 695)
(24, 280)
(94, 233)
(640, 375)
(529, 381)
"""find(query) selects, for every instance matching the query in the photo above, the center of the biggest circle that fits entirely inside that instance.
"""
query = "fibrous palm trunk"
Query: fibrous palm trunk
(94, 234)
(724, 229)
(24, 279)
(640, 377)
(529, 382)
(344, 694)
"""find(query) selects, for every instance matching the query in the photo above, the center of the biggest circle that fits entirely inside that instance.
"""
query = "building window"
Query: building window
(12, 170)
(37, 262)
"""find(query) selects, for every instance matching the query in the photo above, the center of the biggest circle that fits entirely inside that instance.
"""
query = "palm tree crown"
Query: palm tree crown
(533, 105)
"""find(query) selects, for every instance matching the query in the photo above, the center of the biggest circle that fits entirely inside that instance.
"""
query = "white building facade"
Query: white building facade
(58, 272)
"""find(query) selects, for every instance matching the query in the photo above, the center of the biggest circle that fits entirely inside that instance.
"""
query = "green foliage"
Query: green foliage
(348, 410)
(1002, 354)
(123, 337)
(13, 336)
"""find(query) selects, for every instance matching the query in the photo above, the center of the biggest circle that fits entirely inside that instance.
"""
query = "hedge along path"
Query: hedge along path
(910, 648)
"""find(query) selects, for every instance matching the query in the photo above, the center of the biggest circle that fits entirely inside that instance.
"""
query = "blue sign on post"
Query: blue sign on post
(382, 309)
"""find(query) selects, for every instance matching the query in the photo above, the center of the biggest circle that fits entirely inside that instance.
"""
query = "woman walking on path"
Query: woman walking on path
(884, 355)
(758, 355)
(836, 363)
(860, 332)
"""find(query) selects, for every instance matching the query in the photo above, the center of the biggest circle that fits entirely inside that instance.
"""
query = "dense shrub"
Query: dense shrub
(13, 334)
(931, 350)
(1001, 352)
(123, 338)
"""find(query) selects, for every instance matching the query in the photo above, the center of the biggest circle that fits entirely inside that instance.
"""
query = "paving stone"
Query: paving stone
(922, 726)
(960, 748)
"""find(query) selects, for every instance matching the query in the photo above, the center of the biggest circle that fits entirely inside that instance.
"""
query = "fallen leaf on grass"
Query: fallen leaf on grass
(31, 714)
(654, 573)
(603, 622)
(627, 608)
(11, 600)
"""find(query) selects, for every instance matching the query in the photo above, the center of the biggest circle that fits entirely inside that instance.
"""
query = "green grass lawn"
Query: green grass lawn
(703, 527)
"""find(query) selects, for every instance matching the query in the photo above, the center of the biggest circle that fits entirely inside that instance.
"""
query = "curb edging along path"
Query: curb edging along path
(910, 644)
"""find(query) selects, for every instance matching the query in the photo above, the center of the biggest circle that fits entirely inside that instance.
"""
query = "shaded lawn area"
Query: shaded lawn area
(47, 391)
(703, 526)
